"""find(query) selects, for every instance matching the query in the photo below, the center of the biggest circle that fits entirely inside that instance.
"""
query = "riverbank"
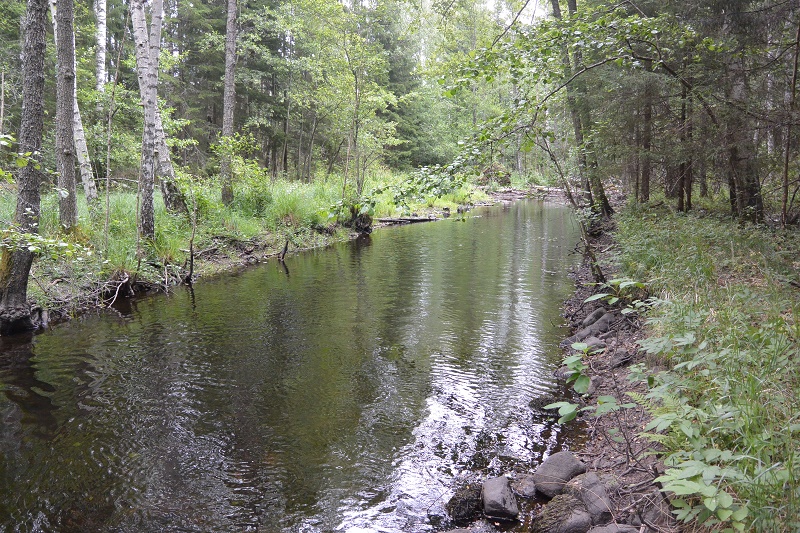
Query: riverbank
(695, 371)
(63, 287)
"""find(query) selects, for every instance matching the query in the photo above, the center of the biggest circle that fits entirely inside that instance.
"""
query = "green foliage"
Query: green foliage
(726, 411)
(625, 292)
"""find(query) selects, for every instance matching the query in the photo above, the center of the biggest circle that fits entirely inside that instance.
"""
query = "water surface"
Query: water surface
(346, 394)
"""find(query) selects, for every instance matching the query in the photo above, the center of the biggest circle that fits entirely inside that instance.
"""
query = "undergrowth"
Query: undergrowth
(266, 212)
(727, 409)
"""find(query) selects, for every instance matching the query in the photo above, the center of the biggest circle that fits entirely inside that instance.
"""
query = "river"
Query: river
(346, 394)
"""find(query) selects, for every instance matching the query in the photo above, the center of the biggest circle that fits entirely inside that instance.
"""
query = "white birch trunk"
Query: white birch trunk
(147, 49)
(100, 54)
(163, 163)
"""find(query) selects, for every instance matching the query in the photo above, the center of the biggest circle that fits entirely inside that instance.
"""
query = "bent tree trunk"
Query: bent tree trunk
(15, 264)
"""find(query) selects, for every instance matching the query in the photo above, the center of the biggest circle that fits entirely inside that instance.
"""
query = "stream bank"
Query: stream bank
(605, 485)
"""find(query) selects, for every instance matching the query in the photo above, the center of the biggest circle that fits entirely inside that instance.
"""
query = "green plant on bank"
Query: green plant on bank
(624, 291)
(726, 411)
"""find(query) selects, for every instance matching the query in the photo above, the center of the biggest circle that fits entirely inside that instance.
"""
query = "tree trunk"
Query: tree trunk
(147, 50)
(173, 197)
(65, 113)
(100, 52)
(79, 134)
(788, 147)
(743, 170)
(228, 102)
(647, 136)
(15, 264)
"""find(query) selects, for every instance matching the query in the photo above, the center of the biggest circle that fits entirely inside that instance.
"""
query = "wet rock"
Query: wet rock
(552, 475)
(596, 315)
(597, 328)
(589, 488)
(614, 528)
(498, 499)
(524, 486)
(564, 514)
(465, 503)
(621, 359)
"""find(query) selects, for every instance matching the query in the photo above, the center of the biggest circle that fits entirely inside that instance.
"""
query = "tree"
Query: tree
(65, 112)
(148, 48)
(15, 263)
(228, 102)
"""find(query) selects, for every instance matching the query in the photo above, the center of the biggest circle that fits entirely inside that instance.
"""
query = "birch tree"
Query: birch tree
(147, 53)
(15, 263)
(148, 49)
(100, 51)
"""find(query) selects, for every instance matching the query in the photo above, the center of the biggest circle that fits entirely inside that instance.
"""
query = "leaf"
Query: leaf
(722, 513)
(596, 297)
(582, 384)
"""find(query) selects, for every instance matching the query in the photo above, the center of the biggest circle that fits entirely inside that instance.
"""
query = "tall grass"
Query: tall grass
(730, 332)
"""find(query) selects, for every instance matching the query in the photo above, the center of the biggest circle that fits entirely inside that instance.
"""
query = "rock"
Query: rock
(590, 489)
(594, 344)
(551, 476)
(498, 500)
(524, 486)
(564, 514)
(621, 359)
(593, 317)
(602, 325)
(614, 528)
(465, 503)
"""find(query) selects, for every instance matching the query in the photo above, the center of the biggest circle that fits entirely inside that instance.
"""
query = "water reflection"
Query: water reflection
(347, 395)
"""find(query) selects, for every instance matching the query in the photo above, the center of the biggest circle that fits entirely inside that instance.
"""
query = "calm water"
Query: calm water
(344, 396)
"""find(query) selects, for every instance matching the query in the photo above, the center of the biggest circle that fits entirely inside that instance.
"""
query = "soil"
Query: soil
(613, 445)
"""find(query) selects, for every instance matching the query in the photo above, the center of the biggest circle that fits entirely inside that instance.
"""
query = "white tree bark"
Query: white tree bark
(100, 54)
(147, 50)
(163, 163)
(81, 148)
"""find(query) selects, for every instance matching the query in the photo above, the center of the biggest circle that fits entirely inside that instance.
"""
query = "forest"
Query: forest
(135, 135)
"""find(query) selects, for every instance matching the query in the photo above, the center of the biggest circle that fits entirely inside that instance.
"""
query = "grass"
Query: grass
(265, 213)
(728, 329)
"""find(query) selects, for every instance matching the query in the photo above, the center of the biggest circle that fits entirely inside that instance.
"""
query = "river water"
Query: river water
(346, 395)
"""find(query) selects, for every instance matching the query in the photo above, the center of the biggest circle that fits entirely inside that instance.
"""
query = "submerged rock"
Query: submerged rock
(564, 514)
(465, 503)
(552, 475)
(498, 499)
